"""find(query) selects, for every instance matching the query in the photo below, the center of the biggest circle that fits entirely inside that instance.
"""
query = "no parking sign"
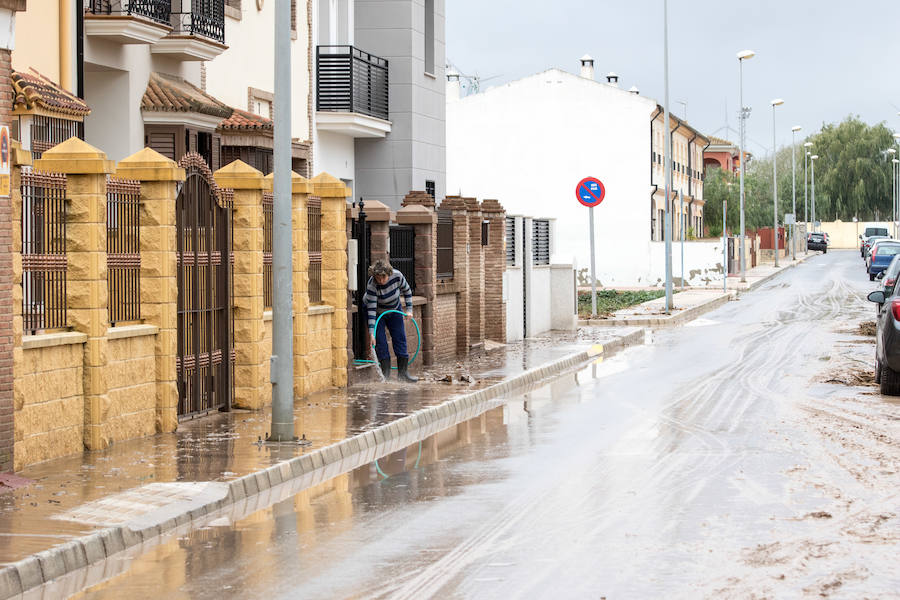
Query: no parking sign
(590, 191)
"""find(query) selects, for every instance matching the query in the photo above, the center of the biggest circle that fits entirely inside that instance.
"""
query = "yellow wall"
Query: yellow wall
(318, 358)
(131, 377)
(37, 39)
(846, 235)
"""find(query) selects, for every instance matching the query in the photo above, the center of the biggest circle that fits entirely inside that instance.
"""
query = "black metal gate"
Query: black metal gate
(205, 326)
(403, 252)
(364, 251)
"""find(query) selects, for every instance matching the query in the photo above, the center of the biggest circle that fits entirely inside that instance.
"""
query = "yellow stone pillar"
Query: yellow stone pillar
(334, 196)
(251, 373)
(300, 190)
(86, 169)
(159, 263)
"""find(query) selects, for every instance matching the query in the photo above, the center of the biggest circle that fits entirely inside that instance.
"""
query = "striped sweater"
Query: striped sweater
(380, 298)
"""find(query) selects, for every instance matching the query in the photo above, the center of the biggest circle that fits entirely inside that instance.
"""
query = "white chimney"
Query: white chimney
(587, 67)
(453, 88)
(634, 90)
(612, 79)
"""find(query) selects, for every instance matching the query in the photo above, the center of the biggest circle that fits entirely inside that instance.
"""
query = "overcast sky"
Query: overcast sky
(826, 59)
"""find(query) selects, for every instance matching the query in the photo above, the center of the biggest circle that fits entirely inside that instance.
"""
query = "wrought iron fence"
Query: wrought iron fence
(206, 18)
(44, 261)
(47, 132)
(350, 80)
(156, 10)
(314, 247)
(123, 249)
(268, 208)
(444, 245)
(403, 252)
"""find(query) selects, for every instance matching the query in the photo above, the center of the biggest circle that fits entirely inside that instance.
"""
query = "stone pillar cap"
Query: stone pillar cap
(239, 176)
(492, 206)
(75, 157)
(149, 165)
(376, 211)
(453, 203)
(329, 186)
(416, 213)
(299, 183)
(20, 157)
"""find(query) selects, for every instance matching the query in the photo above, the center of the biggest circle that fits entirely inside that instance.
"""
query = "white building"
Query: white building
(529, 142)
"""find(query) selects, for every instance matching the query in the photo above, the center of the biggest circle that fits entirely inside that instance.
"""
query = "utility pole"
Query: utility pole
(667, 156)
(282, 365)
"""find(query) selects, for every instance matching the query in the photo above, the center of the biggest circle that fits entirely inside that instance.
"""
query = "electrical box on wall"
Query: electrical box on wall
(352, 263)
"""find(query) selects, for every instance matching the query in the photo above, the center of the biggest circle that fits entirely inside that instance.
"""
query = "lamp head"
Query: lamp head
(891, 150)
(796, 128)
(746, 54)
(777, 102)
(808, 145)
(814, 156)
(895, 161)
(897, 136)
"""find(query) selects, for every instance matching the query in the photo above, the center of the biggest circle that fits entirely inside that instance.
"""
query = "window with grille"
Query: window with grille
(444, 245)
(485, 233)
(268, 231)
(123, 250)
(314, 246)
(429, 189)
(540, 244)
(511, 241)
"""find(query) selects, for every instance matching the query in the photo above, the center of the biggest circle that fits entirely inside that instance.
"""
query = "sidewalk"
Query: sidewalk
(692, 302)
(81, 509)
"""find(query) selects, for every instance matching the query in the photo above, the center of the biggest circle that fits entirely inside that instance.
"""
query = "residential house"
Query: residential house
(379, 105)
(723, 154)
(529, 142)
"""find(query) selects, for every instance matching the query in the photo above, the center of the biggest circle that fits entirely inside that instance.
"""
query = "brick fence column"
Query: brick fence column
(476, 274)
(159, 263)
(250, 373)
(494, 267)
(457, 208)
(378, 217)
(424, 223)
(86, 169)
(334, 196)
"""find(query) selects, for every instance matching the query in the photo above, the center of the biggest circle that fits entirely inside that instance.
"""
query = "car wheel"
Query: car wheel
(871, 277)
(825, 251)
(878, 369)
(890, 381)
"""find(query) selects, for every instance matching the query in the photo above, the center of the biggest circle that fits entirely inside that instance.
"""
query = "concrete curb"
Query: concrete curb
(321, 464)
(662, 321)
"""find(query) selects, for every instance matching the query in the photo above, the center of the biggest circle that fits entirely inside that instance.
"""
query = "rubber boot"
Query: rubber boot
(402, 374)
(385, 364)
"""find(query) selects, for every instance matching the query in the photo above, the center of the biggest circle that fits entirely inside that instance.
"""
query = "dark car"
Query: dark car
(817, 241)
(869, 232)
(887, 343)
(880, 256)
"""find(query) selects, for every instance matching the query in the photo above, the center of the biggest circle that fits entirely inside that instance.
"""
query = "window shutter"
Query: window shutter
(164, 143)
(540, 243)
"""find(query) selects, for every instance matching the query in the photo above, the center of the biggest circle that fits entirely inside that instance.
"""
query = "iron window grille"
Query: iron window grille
(485, 233)
(444, 245)
(403, 252)
(47, 132)
(206, 18)
(314, 247)
(123, 249)
(268, 210)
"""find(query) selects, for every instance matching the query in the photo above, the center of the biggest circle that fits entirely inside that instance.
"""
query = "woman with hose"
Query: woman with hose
(383, 292)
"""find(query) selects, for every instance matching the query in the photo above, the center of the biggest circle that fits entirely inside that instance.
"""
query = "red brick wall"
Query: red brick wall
(6, 283)
(475, 282)
(494, 267)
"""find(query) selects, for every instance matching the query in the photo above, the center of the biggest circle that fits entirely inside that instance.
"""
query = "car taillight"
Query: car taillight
(874, 251)
(889, 282)
(895, 308)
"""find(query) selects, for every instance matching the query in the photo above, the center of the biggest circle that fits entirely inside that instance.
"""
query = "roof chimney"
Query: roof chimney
(612, 79)
(587, 67)
(453, 88)
(634, 90)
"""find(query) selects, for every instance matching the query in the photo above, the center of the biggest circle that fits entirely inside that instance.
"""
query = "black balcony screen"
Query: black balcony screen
(350, 80)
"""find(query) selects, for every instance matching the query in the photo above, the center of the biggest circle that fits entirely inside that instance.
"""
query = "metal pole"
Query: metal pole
(282, 361)
(806, 191)
(362, 268)
(794, 193)
(743, 119)
(724, 249)
(593, 271)
(812, 163)
(774, 187)
(667, 155)
(681, 198)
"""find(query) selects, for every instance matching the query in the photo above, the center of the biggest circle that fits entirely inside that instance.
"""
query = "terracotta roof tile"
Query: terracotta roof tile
(34, 90)
(167, 93)
(719, 141)
(241, 120)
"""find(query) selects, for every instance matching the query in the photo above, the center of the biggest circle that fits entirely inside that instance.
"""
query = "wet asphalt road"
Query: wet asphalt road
(683, 468)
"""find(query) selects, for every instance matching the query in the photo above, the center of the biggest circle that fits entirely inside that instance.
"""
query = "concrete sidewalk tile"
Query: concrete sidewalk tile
(112, 540)
(10, 584)
(30, 574)
(52, 565)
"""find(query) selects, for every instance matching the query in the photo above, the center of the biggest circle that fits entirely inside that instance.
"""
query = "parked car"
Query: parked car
(887, 343)
(817, 241)
(869, 232)
(867, 244)
(888, 279)
(880, 256)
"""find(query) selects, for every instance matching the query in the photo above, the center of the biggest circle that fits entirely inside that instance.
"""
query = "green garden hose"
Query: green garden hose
(418, 336)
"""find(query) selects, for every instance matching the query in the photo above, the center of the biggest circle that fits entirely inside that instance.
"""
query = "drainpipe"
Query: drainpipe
(79, 49)
(672, 155)
(690, 178)
(65, 45)
(655, 187)
(703, 168)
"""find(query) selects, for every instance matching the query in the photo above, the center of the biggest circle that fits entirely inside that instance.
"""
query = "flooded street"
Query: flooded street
(745, 455)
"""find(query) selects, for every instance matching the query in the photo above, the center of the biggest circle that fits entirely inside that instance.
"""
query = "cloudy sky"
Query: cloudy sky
(826, 59)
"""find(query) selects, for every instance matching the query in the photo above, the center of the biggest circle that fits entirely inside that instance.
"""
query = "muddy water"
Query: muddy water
(724, 459)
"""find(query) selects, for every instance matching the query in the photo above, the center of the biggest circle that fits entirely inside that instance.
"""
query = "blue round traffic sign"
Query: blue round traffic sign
(590, 191)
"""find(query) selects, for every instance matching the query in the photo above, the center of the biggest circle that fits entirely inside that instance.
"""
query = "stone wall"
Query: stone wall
(131, 383)
(318, 355)
(445, 327)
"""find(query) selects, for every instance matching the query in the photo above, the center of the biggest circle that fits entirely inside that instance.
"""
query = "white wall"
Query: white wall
(702, 263)
(539, 301)
(335, 154)
(250, 59)
(563, 313)
(528, 143)
(515, 324)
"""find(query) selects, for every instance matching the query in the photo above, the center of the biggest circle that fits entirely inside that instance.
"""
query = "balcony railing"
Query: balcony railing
(350, 80)
(155, 10)
(206, 18)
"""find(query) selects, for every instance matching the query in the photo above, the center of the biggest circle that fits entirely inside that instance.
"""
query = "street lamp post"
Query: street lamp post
(667, 155)
(794, 131)
(812, 162)
(775, 102)
(896, 202)
(806, 155)
(894, 163)
(890, 152)
(742, 56)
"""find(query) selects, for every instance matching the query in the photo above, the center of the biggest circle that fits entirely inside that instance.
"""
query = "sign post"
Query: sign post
(724, 249)
(590, 192)
(790, 219)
